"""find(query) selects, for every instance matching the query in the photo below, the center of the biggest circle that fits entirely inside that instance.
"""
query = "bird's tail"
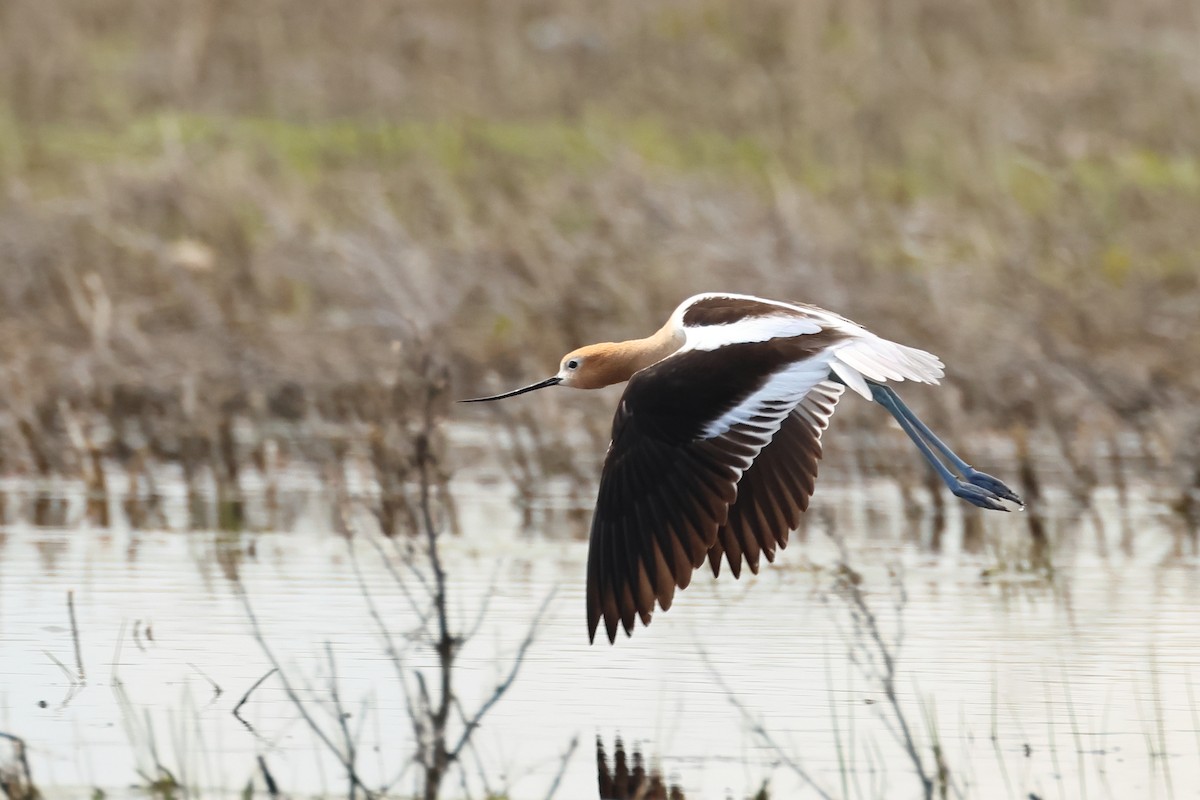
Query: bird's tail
(874, 359)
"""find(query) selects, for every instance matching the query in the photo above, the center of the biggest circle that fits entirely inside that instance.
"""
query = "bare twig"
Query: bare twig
(73, 684)
(400, 582)
(447, 645)
(74, 681)
(504, 685)
(394, 653)
(866, 624)
(238, 708)
(162, 774)
(217, 690)
(757, 728)
(342, 715)
(389, 641)
(483, 607)
(295, 699)
(562, 767)
(75, 636)
(116, 659)
(1192, 708)
(268, 778)
(347, 529)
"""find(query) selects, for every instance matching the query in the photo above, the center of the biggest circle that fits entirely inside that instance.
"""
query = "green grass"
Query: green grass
(1099, 188)
(315, 149)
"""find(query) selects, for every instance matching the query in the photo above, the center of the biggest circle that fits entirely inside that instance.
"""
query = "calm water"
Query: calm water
(1086, 685)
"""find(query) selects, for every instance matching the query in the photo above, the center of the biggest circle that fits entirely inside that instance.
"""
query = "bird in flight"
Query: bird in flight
(717, 436)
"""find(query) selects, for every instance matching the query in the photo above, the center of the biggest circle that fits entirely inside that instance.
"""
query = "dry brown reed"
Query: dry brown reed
(215, 212)
(414, 510)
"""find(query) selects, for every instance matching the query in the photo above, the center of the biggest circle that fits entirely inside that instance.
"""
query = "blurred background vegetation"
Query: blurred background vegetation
(258, 207)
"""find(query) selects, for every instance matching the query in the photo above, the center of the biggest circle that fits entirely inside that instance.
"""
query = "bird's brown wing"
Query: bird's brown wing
(685, 431)
(775, 490)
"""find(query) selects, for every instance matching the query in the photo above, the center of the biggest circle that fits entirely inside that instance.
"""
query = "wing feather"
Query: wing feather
(869, 358)
(685, 433)
(775, 490)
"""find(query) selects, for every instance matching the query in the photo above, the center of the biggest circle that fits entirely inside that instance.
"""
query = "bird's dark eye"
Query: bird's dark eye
(573, 364)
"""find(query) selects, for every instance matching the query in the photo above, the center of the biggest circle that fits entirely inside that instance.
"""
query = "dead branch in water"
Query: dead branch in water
(758, 729)
(349, 740)
(297, 701)
(562, 767)
(75, 637)
(268, 778)
(878, 658)
(442, 726)
(238, 708)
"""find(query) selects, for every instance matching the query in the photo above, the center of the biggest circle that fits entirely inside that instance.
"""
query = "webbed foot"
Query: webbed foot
(986, 491)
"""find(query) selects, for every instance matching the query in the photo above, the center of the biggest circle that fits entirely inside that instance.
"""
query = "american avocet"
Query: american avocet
(716, 440)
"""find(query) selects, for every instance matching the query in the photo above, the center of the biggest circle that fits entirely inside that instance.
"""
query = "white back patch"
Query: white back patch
(752, 329)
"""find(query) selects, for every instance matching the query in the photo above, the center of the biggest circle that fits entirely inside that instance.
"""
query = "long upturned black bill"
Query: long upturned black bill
(542, 385)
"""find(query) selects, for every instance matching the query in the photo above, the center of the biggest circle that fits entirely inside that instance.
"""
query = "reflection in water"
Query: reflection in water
(1012, 683)
(623, 781)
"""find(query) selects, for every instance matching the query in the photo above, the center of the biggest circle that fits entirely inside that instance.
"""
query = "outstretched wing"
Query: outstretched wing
(776, 488)
(685, 432)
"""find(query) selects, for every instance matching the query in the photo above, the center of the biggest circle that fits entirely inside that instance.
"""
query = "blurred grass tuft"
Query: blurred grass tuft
(243, 195)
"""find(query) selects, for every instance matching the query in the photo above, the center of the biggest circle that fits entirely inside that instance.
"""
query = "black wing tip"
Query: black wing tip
(611, 630)
(594, 615)
(593, 626)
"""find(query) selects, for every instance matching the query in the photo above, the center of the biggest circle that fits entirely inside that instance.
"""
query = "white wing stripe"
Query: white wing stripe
(775, 400)
(753, 329)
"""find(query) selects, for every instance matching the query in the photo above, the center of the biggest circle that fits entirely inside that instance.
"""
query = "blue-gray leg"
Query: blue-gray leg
(977, 488)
